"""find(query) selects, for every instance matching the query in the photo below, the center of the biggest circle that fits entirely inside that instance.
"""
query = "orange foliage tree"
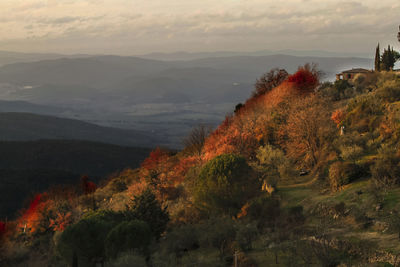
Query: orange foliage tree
(159, 172)
(50, 211)
(62, 220)
(338, 116)
(257, 121)
(31, 219)
(308, 130)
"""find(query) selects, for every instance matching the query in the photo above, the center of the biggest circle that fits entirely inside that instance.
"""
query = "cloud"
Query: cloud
(115, 25)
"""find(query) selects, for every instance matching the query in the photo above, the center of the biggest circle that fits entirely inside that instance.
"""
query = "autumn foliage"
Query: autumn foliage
(88, 187)
(156, 157)
(259, 120)
(280, 113)
(30, 220)
(2, 229)
(304, 79)
(61, 221)
(338, 117)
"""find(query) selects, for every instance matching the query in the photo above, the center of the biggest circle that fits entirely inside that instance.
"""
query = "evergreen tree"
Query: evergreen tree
(398, 35)
(145, 207)
(377, 59)
(224, 185)
(388, 59)
(392, 58)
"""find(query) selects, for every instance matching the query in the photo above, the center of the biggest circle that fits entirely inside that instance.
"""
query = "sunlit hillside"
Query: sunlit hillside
(302, 173)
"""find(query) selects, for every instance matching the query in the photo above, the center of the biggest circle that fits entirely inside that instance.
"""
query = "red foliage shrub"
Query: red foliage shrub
(88, 187)
(2, 229)
(61, 221)
(31, 218)
(34, 204)
(156, 157)
(182, 167)
(304, 79)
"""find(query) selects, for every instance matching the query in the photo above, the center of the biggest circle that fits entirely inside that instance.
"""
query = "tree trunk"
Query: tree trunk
(74, 260)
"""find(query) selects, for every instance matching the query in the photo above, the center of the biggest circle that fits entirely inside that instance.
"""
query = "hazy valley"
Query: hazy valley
(164, 99)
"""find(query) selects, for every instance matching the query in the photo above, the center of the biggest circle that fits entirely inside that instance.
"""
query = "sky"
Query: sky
(131, 27)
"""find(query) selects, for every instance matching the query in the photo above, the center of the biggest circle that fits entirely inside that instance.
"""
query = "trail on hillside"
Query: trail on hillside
(313, 180)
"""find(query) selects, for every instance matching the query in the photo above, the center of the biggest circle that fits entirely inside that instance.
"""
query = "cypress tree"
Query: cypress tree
(377, 59)
(392, 58)
(398, 35)
(388, 59)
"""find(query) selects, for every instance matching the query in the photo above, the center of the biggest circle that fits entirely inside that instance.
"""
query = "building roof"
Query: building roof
(357, 70)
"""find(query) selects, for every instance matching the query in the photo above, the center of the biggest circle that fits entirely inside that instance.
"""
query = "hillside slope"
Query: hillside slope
(27, 126)
(34, 166)
(301, 174)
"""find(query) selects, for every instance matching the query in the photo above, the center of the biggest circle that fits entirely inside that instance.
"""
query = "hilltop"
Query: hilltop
(301, 173)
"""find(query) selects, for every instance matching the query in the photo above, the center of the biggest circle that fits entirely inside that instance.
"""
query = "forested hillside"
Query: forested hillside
(18, 126)
(35, 166)
(303, 173)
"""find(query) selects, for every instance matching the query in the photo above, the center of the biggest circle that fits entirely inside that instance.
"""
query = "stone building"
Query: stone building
(350, 74)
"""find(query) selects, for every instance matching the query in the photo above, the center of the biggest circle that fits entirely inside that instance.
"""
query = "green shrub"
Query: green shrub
(390, 91)
(264, 210)
(219, 233)
(145, 207)
(225, 184)
(364, 113)
(295, 216)
(128, 259)
(342, 173)
(180, 240)
(85, 241)
(128, 236)
(340, 89)
(351, 153)
(386, 169)
(246, 235)
(274, 163)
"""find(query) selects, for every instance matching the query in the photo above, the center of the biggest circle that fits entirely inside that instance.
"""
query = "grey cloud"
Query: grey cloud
(66, 20)
(58, 21)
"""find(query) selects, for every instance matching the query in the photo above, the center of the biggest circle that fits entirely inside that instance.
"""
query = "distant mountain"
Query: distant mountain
(250, 65)
(8, 57)
(34, 166)
(164, 97)
(27, 127)
(98, 72)
(26, 107)
(181, 55)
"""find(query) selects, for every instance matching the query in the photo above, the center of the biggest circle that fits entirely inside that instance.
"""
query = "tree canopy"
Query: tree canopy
(225, 183)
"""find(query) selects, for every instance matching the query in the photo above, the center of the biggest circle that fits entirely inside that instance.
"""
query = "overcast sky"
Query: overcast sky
(132, 27)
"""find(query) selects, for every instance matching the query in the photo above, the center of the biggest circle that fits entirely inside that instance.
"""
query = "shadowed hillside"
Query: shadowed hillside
(34, 166)
(27, 126)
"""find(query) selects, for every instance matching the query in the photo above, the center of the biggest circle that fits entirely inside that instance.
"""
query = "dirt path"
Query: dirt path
(313, 180)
